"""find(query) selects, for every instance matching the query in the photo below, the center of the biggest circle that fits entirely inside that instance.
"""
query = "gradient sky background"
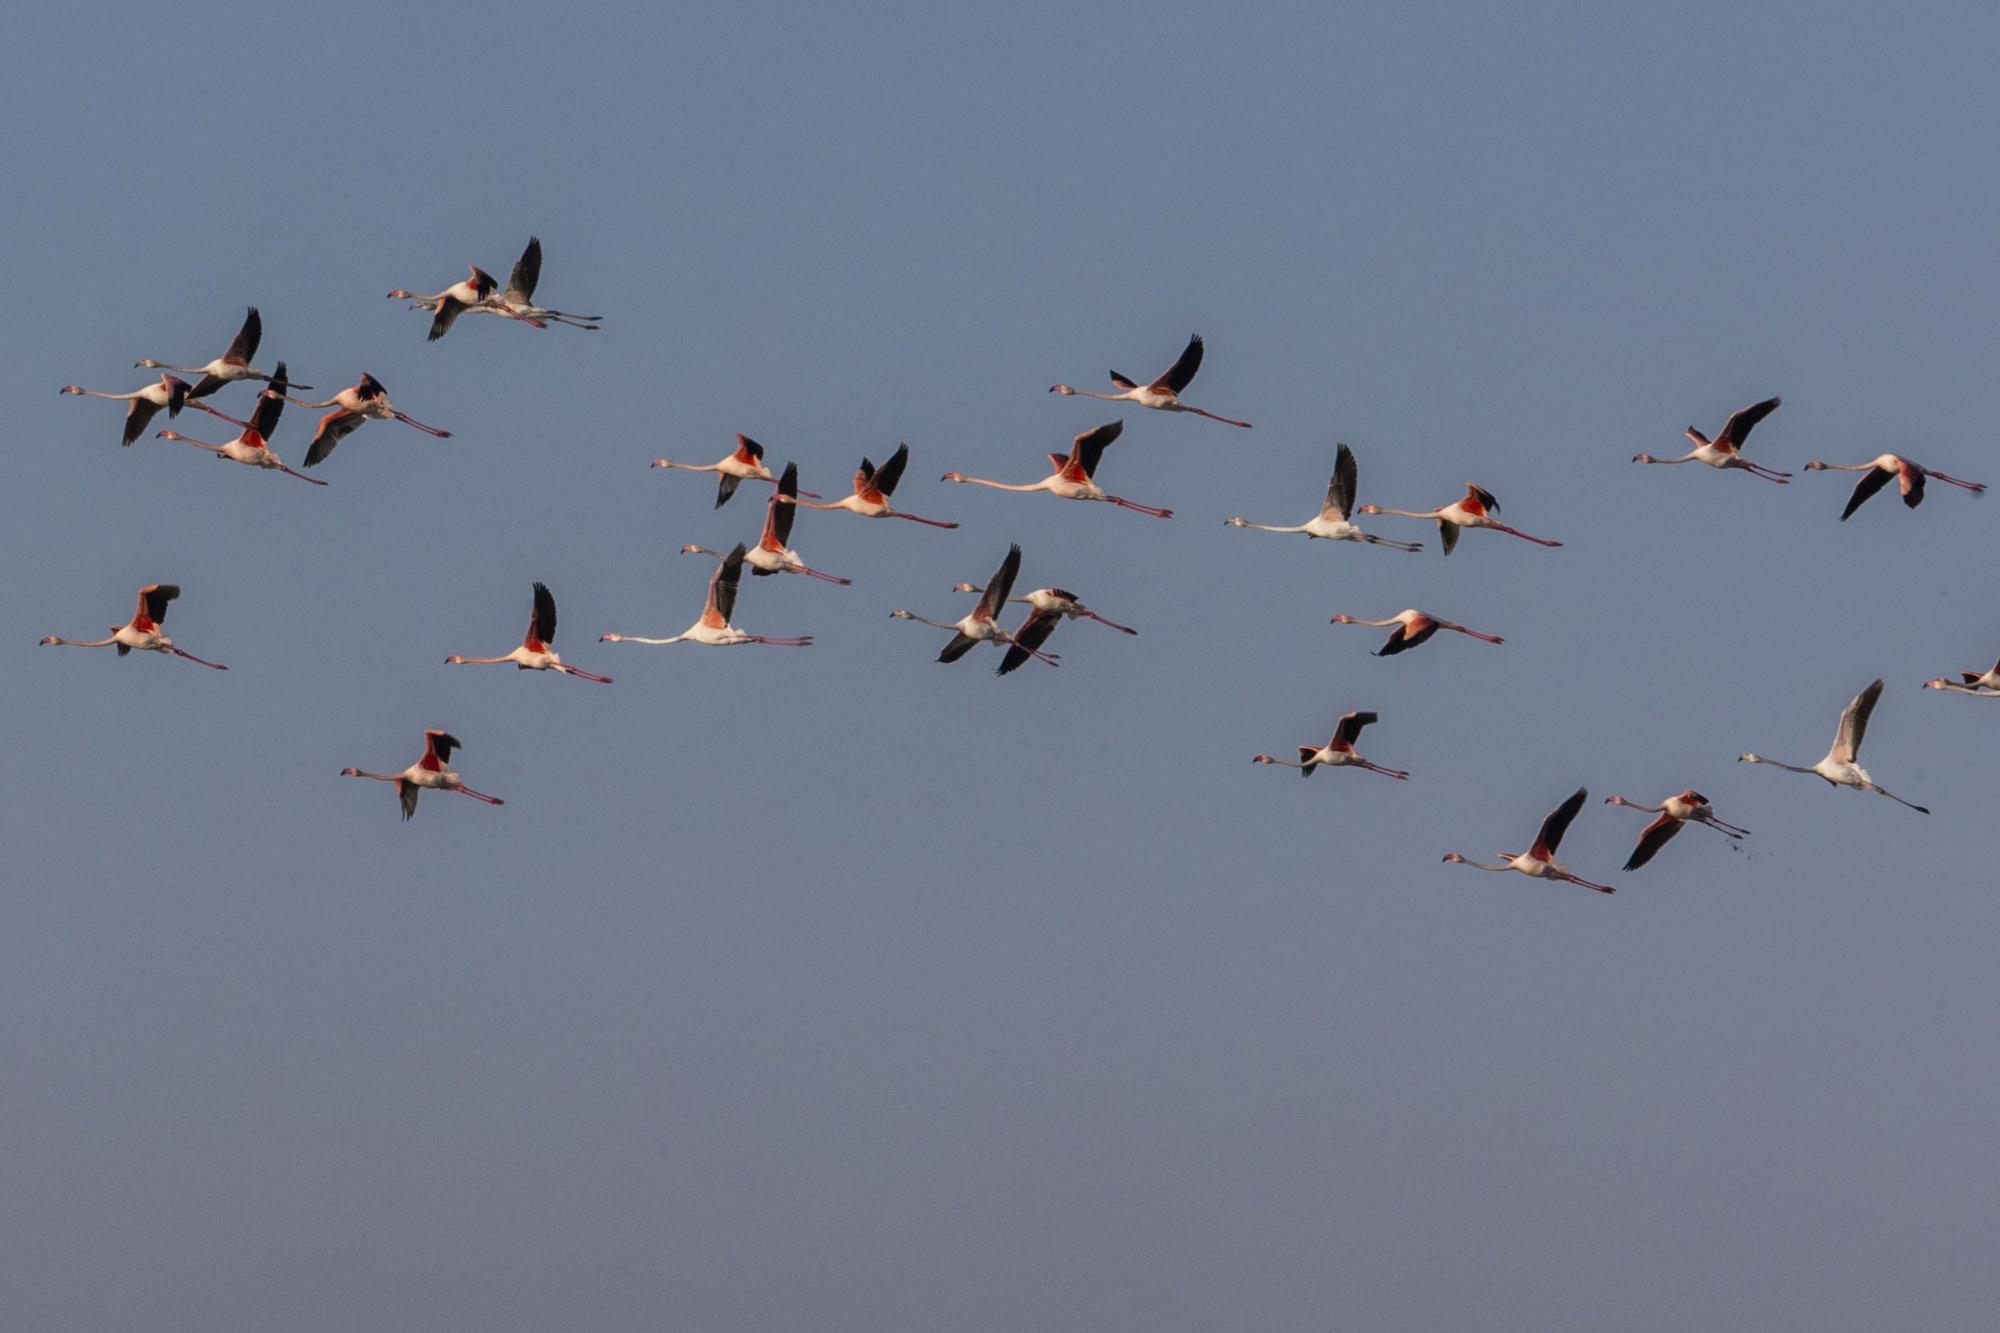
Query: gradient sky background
(840, 990)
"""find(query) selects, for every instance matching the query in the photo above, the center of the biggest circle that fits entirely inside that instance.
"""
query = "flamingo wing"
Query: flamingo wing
(890, 473)
(1657, 835)
(407, 792)
(1557, 824)
(1854, 724)
(1088, 447)
(243, 347)
(271, 405)
(1033, 633)
(542, 620)
(137, 417)
(1910, 479)
(1181, 373)
(1740, 423)
(1340, 488)
(334, 427)
(725, 487)
(1873, 480)
(1348, 729)
(448, 311)
(153, 600)
(1001, 586)
(722, 587)
(778, 518)
(527, 272)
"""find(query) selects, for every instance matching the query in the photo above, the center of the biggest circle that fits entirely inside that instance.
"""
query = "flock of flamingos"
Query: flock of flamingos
(1071, 476)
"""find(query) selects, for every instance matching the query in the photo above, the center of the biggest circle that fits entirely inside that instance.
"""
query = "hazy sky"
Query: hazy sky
(836, 989)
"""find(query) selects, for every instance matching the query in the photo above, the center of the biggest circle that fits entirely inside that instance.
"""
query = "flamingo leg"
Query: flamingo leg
(464, 790)
(585, 675)
(409, 420)
(1123, 503)
(212, 412)
(1516, 532)
(933, 522)
(1203, 412)
(1122, 629)
(300, 475)
(182, 652)
(1578, 879)
(1397, 773)
(830, 578)
(799, 641)
(1974, 486)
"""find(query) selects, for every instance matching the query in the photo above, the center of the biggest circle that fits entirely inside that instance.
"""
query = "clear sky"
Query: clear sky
(837, 989)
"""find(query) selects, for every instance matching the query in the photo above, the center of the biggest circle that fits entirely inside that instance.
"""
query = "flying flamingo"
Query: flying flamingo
(981, 624)
(143, 631)
(1539, 861)
(1163, 394)
(1688, 807)
(745, 464)
(537, 651)
(474, 292)
(1726, 449)
(1842, 767)
(231, 366)
(433, 771)
(1475, 510)
(714, 628)
(1054, 602)
(1075, 475)
(519, 298)
(365, 401)
(171, 393)
(771, 555)
(252, 445)
(1332, 522)
(872, 488)
(1338, 752)
(1877, 473)
(1975, 682)
(1412, 628)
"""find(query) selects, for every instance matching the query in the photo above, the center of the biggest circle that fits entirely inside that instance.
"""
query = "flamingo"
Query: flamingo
(1690, 806)
(519, 298)
(1975, 682)
(1876, 473)
(231, 366)
(1075, 475)
(474, 292)
(1331, 523)
(1726, 449)
(714, 628)
(872, 488)
(143, 631)
(1539, 861)
(981, 625)
(537, 651)
(1412, 628)
(1842, 767)
(1338, 752)
(1475, 510)
(433, 771)
(771, 555)
(745, 464)
(252, 445)
(363, 402)
(1163, 394)
(1054, 602)
(171, 393)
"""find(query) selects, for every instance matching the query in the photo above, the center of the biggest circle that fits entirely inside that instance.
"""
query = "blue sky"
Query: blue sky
(840, 989)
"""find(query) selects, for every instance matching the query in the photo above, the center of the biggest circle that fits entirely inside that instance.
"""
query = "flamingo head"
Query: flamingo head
(952, 476)
(1815, 466)
(1644, 458)
(1453, 858)
(1062, 389)
(966, 587)
(148, 363)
